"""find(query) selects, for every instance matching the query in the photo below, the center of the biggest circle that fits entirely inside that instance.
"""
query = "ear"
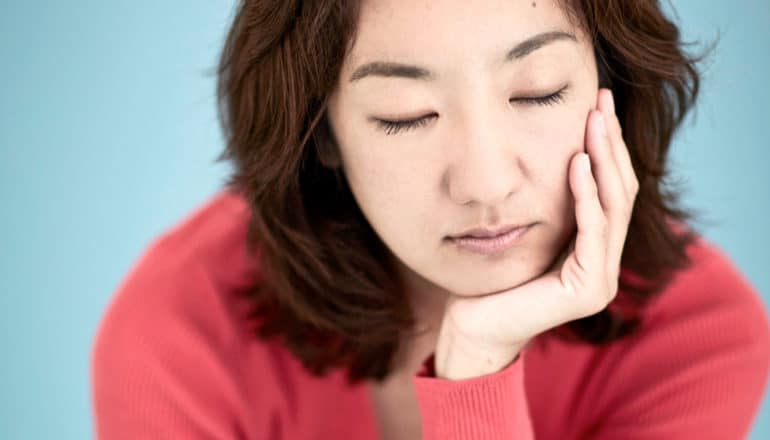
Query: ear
(326, 146)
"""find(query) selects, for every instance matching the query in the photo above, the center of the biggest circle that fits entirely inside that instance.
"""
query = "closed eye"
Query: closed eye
(391, 127)
(554, 98)
(394, 127)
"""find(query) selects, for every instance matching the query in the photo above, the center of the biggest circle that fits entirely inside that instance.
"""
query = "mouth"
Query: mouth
(486, 242)
(487, 232)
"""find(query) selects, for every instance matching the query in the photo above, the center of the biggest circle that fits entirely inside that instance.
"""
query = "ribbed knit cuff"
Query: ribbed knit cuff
(487, 407)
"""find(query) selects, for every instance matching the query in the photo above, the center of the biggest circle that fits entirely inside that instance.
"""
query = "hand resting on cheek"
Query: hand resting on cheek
(481, 335)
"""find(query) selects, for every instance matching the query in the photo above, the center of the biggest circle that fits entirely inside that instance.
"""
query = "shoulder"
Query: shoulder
(708, 310)
(175, 335)
(190, 271)
(712, 289)
(699, 363)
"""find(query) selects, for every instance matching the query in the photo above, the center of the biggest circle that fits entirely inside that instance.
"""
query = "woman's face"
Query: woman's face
(487, 152)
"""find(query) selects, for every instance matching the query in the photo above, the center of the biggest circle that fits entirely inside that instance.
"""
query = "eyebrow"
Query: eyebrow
(390, 69)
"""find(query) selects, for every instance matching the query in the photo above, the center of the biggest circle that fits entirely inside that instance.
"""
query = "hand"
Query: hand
(481, 335)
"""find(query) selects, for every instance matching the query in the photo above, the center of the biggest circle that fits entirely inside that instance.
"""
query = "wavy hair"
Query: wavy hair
(328, 290)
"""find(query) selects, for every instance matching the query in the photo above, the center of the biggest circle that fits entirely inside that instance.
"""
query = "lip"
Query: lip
(487, 232)
(491, 244)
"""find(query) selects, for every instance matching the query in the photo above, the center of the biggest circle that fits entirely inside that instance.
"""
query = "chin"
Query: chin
(487, 288)
(488, 284)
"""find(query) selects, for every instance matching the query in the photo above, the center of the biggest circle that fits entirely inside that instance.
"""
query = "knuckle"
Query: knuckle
(635, 186)
(630, 207)
(596, 304)
(594, 300)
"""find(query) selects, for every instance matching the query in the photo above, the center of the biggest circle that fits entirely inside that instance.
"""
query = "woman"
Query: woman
(445, 221)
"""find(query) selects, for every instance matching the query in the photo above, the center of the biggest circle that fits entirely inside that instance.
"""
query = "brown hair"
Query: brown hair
(328, 289)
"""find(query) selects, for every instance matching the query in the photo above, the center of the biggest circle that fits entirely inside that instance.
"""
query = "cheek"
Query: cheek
(380, 175)
(386, 188)
(367, 180)
(568, 130)
(556, 140)
(557, 144)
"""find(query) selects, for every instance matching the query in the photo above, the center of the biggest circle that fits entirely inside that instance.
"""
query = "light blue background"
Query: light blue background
(108, 135)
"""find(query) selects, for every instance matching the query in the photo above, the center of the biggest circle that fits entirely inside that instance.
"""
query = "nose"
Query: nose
(486, 168)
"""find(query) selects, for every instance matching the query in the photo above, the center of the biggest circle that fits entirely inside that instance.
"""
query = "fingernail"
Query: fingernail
(586, 163)
(602, 125)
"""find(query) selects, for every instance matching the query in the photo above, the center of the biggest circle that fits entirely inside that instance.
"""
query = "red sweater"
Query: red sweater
(174, 359)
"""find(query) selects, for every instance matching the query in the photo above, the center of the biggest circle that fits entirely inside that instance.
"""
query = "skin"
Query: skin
(485, 157)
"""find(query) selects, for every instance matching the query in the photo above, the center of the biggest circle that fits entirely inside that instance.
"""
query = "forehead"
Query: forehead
(444, 30)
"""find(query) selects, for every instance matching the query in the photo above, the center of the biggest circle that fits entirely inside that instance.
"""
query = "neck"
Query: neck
(427, 302)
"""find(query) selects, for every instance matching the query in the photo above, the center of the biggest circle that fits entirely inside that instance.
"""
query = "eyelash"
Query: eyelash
(394, 127)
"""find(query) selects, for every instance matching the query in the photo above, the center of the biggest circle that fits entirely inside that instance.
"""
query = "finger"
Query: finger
(622, 158)
(590, 241)
(612, 192)
(619, 147)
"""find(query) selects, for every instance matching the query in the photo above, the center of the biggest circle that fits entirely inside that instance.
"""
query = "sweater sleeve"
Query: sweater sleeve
(490, 407)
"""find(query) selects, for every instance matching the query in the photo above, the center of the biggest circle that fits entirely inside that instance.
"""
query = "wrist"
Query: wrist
(458, 359)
